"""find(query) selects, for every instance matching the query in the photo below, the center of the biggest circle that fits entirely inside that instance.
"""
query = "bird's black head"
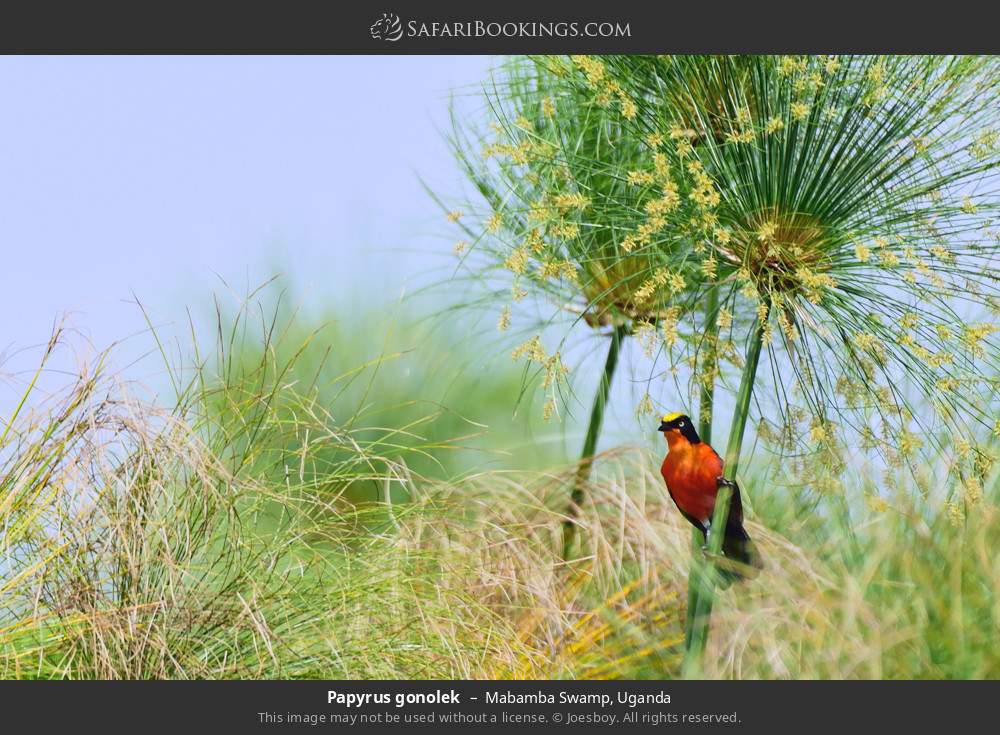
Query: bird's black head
(680, 423)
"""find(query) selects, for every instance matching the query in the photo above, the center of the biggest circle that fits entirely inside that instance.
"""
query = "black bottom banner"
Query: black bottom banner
(258, 706)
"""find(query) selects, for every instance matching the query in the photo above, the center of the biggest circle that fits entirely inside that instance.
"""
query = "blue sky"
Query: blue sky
(159, 176)
(168, 177)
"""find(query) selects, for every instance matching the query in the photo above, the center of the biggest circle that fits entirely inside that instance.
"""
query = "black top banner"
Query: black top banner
(396, 27)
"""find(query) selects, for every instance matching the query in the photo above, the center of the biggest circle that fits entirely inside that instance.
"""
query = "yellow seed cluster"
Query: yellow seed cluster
(534, 241)
(748, 290)
(767, 231)
(639, 178)
(888, 259)
(664, 204)
(946, 385)
(787, 326)
(557, 269)
(850, 390)
(657, 210)
(494, 223)
(566, 202)
(725, 319)
(549, 408)
(815, 284)
(876, 73)
(645, 335)
(767, 335)
(518, 153)
(517, 261)
(661, 168)
(564, 230)
(703, 193)
(869, 343)
(791, 65)
(942, 253)
(973, 336)
(908, 443)
(532, 350)
(662, 277)
(818, 431)
(955, 513)
(972, 490)
(555, 369)
(669, 326)
(741, 135)
(605, 89)
(985, 144)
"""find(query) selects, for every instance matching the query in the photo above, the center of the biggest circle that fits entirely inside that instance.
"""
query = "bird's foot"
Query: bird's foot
(721, 481)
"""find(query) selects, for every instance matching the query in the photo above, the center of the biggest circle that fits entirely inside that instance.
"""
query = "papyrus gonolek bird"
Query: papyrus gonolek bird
(693, 473)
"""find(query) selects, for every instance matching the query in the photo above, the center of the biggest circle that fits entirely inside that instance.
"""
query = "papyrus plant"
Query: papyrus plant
(596, 204)
(856, 213)
(840, 208)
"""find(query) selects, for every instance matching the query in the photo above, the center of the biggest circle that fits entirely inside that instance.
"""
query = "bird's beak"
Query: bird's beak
(663, 426)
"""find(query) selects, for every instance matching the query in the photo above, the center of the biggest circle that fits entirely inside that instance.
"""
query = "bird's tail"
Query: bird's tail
(741, 558)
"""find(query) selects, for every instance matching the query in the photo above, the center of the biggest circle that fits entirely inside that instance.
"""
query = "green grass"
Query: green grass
(417, 391)
(217, 538)
(906, 589)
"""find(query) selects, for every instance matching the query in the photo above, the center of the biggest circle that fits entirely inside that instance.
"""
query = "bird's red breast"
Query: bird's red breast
(691, 472)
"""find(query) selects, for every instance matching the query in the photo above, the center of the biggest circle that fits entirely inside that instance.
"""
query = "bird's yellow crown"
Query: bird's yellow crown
(671, 416)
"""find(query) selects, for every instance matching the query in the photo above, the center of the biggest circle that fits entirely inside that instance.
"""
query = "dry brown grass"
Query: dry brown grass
(618, 610)
(142, 542)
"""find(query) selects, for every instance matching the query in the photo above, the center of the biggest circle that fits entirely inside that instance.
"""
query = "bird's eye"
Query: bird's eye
(680, 424)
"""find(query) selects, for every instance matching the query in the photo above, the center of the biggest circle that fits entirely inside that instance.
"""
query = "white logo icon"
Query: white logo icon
(387, 28)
